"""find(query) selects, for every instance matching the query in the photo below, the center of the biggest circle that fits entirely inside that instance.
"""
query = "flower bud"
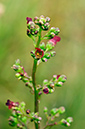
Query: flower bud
(28, 111)
(62, 78)
(45, 109)
(51, 90)
(33, 54)
(42, 46)
(19, 126)
(54, 77)
(47, 19)
(61, 110)
(54, 111)
(23, 119)
(17, 62)
(45, 82)
(36, 20)
(28, 32)
(49, 46)
(57, 31)
(59, 84)
(46, 90)
(12, 121)
(28, 19)
(22, 104)
(52, 53)
(17, 75)
(44, 59)
(47, 55)
(64, 122)
(69, 119)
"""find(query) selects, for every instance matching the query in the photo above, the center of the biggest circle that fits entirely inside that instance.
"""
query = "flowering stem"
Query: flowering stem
(50, 125)
(36, 108)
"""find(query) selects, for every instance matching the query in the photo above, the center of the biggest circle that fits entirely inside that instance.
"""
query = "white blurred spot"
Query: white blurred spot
(2, 9)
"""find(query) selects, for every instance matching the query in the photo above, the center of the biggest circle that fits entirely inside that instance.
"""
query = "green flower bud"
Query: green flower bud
(47, 55)
(42, 46)
(45, 82)
(57, 31)
(69, 119)
(52, 53)
(22, 104)
(62, 78)
(36, 20)
(24, 119)
(14, 113)
(47, 19)
(17, 62)
(64, 122)
(17, 75)
(61, 110)
(33, 54)
(45, 109)
(54, 111)
(13, 121)
(19, 126)
(25, 80)
(51, 90)
(52, 29)
(49, 46)
(59, 84)
(54, 77)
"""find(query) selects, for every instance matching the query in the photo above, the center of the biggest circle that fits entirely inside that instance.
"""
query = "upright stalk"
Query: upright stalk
(36, 104)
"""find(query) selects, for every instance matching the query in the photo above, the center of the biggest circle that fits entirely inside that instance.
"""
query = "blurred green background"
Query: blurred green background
(69, 16)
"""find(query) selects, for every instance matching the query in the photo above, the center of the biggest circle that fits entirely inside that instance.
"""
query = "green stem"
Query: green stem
(34, 85)
(39, 37)
(36, 104)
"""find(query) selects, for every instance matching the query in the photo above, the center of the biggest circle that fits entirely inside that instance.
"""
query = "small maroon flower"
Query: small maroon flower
(28, 19)
(27, 111)
(11, 104)
(39, 53)
(54, 40)
(45, 90)
(58, 76)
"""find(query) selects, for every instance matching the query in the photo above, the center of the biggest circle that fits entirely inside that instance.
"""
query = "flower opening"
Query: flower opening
(45, 90)
(28, 19)
(39, 53)
(11, 104)
(54, 40)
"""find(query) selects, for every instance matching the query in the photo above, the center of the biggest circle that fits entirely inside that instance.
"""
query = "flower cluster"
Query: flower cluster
(56, 81)
(35, 117)
(42, 22)
(44, 52)
(32, 30)
(12, 104)
(52, 33)
(56, 112)
(41, 53)
(19, 116)
(66, 122)
(22, 75)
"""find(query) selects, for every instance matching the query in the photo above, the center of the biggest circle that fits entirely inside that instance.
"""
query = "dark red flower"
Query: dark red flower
(28, 19)
(54, 40)
(39, 53)
(58, 76)
(27, 111)
(45, 90)
(11, 104)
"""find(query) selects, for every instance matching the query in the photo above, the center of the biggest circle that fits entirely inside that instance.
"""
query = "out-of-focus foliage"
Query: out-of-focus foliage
(69, 16)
